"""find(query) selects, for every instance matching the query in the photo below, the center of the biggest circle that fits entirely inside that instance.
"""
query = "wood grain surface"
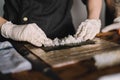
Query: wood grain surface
(82, 69)
(59, 58)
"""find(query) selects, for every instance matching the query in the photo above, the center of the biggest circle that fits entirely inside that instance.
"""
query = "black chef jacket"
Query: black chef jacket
(52, 16)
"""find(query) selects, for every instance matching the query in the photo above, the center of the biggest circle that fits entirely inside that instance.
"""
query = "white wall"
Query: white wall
(78, 12)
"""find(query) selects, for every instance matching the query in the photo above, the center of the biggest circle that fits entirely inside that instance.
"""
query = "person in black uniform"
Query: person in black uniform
(39, 21)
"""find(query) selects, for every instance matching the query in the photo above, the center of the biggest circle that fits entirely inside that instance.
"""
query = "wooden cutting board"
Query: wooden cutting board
(63, 57)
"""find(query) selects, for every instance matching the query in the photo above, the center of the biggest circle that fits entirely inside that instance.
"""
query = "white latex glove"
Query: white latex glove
(114, 26)
(88, 29)
(29, 32)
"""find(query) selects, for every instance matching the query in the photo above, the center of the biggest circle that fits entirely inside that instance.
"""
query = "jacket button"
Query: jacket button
(25, 19)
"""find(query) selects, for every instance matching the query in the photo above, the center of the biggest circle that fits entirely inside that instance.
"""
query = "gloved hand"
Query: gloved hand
(88, 29)
(114, 26)
(29, 32)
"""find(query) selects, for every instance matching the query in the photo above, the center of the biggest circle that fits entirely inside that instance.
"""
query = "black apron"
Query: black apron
(52, 16)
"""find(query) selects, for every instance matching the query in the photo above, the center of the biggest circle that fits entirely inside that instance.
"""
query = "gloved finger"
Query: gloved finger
(48, 42)
(94, 33)
(34, 32)
(36, 43)
(111, 27)
(41, 40)
(90, 32)
(92, 36)
(45, 41)
(79, 39)
(41, 32)
(79, 29)
(83, 31)
(36, 38)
